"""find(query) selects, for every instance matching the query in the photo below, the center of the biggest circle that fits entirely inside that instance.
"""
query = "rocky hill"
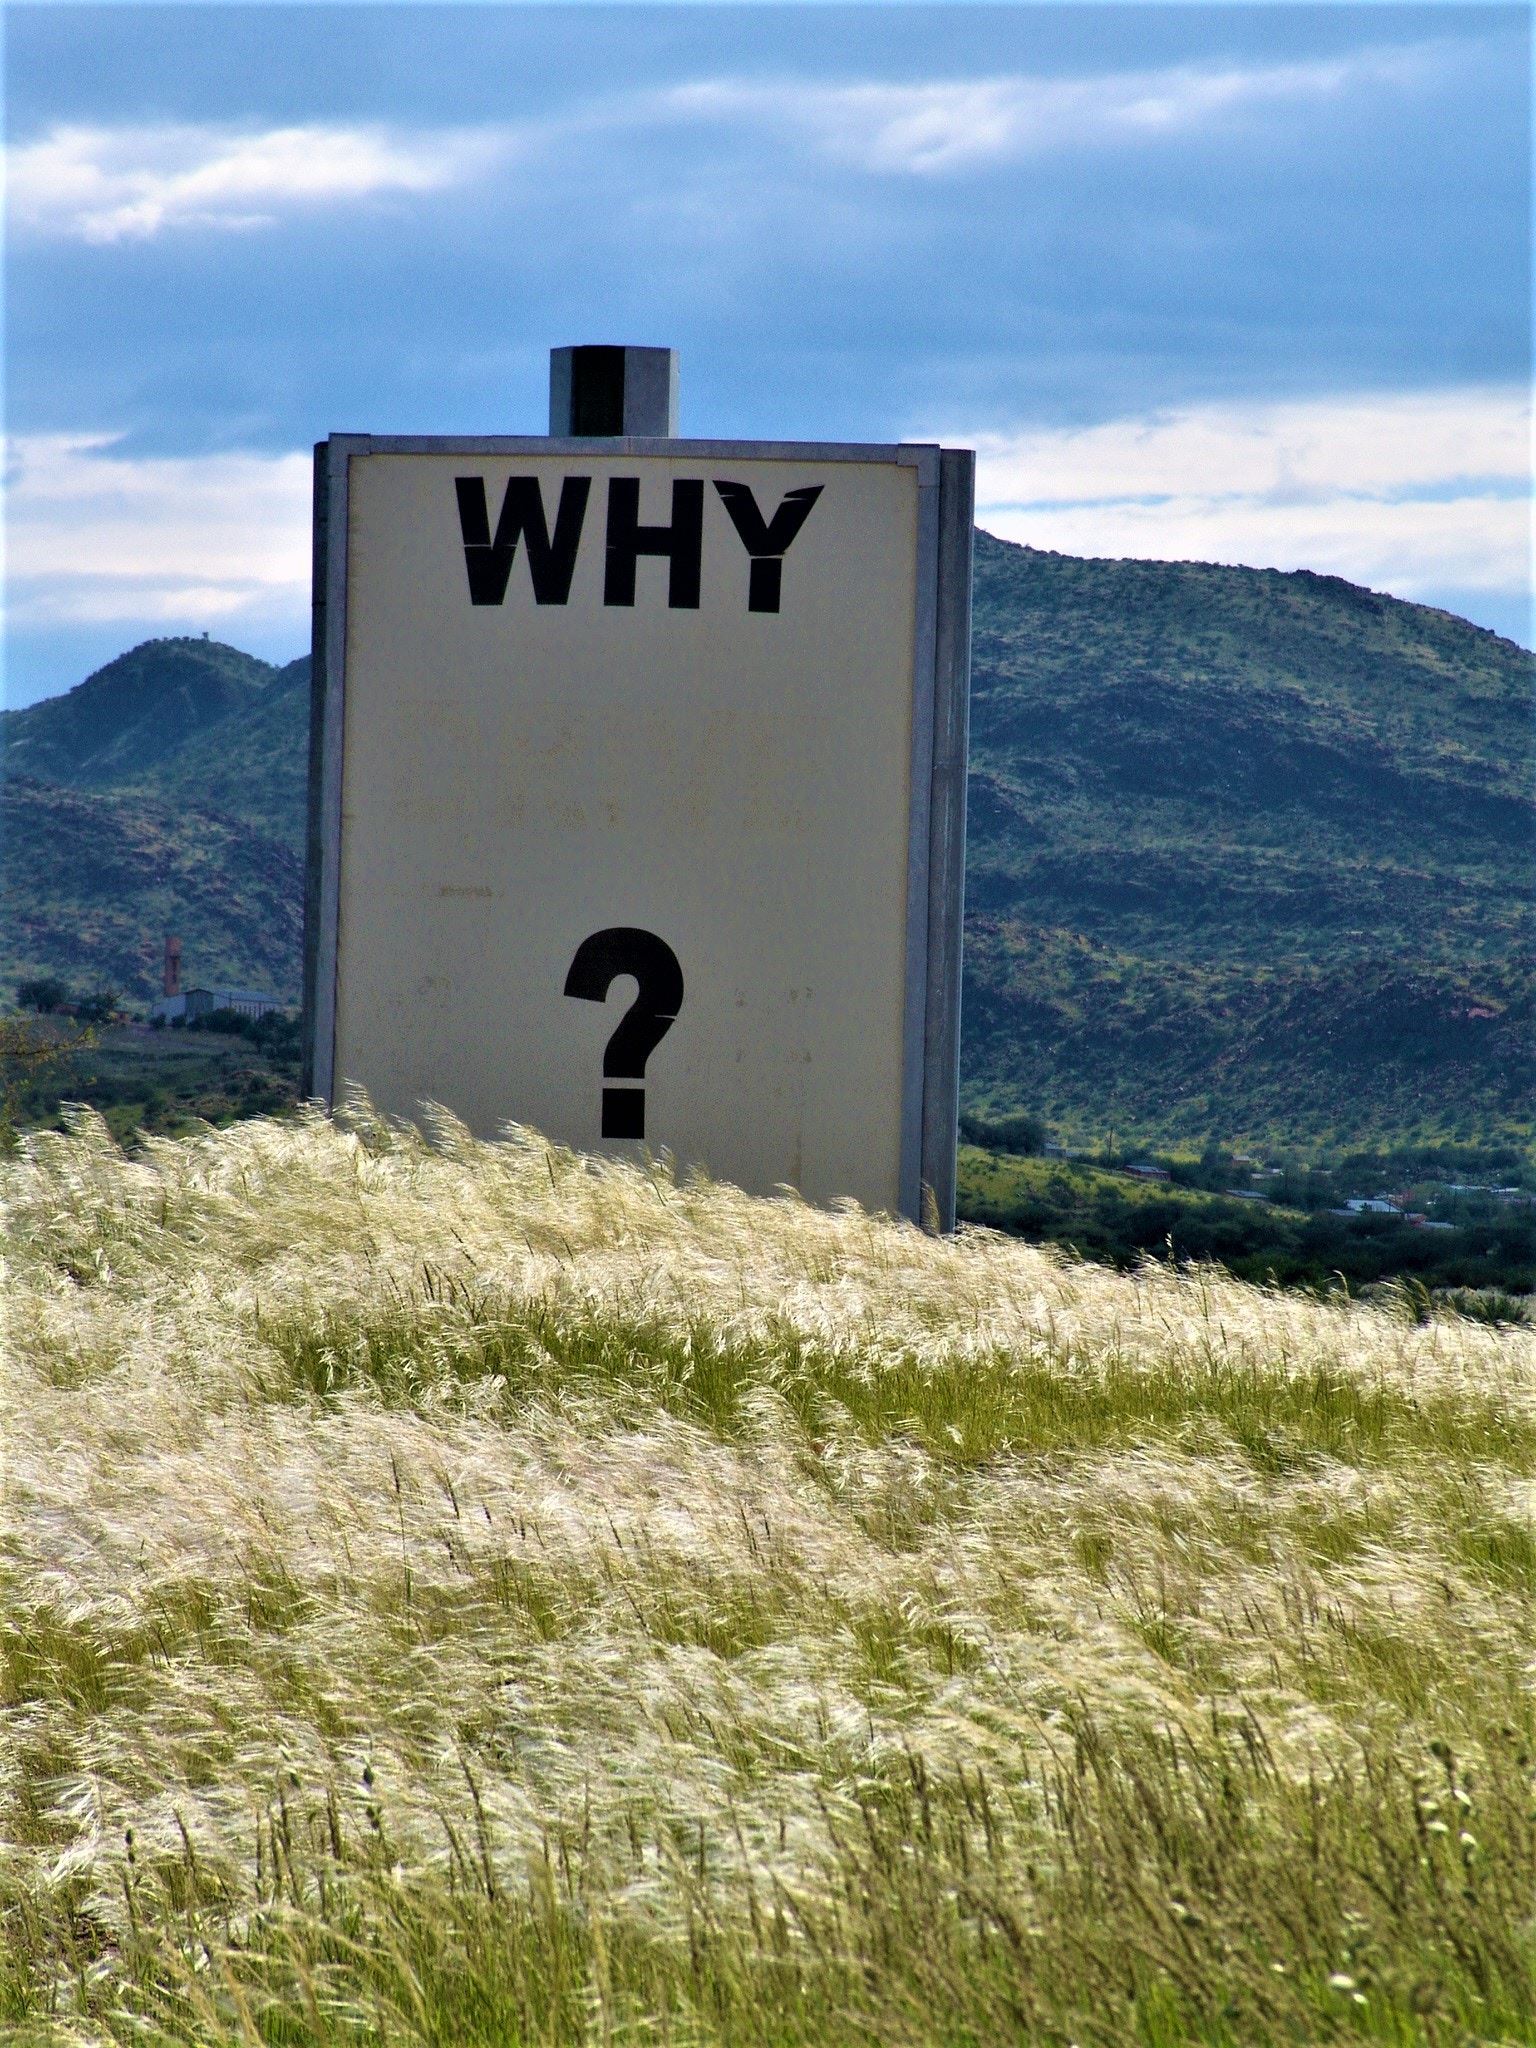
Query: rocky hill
(123, 724)
(93, 880)
(164, 793)
(1251, 855)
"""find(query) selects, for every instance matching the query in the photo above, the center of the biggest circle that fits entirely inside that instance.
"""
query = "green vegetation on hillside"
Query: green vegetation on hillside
(121, 724)
(466, 1594)
(1259, 1052)
(1105, 1214)
(166, 793)
(1250, 858)
(253, 766)
(93, 880)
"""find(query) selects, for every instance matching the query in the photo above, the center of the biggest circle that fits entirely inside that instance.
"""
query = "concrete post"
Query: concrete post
(613, 391)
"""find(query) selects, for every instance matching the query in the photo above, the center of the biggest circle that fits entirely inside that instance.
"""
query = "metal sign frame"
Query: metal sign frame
(940, 734)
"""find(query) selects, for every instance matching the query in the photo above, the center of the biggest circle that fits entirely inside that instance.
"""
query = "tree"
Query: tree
(44, 993)
(99, 1007)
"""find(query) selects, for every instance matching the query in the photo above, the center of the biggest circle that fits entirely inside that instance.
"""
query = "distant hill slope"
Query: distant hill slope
(93, 880)
(252, 765)
(129, 717)
(164, 794)
(1251, 855)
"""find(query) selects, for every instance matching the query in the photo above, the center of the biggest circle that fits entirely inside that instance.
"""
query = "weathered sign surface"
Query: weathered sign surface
(637, 797)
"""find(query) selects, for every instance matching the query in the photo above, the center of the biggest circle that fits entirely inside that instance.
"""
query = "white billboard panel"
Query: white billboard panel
(627, 815)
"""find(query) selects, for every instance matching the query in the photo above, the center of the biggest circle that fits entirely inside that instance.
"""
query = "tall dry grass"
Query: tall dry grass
(456, 1592)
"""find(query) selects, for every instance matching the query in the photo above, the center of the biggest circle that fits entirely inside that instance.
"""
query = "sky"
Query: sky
(1232, 283)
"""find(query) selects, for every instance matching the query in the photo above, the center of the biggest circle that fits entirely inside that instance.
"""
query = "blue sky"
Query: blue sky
(1229, 283)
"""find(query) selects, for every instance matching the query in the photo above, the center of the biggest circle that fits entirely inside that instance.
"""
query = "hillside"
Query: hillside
(253, 766)
(164, 794)
(1251, 855)
(92, 881)
(130, 717)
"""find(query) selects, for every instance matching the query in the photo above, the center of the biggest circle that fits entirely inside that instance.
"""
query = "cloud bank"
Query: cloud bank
(1407, 492)
(1413, 493)
(951, 125)
(95, 536)
(111, 184)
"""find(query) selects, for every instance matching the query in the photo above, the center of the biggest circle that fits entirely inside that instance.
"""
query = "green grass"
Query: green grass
(461, 1593)
(164, 1083)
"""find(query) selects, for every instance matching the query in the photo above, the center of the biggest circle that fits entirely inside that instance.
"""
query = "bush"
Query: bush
(44, 993)
(99, 1007)
(277, 1035)
(230, 1023)
(1026, 1135)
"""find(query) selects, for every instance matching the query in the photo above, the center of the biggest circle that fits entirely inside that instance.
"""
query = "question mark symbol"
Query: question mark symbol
(622, 949)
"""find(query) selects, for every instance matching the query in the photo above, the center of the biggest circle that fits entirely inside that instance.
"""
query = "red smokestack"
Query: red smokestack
(173, 967)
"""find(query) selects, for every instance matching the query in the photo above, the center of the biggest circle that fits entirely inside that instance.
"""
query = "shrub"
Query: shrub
(99, 1007)
(44, 993)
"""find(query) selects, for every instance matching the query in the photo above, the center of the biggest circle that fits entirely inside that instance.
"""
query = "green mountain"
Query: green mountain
(1251, 855)
(93, 880)
(134, 714)
(252, 765)
(163, 794)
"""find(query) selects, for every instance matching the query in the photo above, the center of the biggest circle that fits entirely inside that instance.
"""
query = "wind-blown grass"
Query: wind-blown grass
(461, 1593)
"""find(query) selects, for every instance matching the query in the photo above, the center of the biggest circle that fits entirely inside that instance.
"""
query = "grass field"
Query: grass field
(455, 1593)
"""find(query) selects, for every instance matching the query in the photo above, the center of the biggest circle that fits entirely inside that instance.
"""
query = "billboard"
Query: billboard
(637, 798)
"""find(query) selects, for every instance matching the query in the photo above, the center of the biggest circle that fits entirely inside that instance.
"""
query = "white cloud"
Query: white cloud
(956, 124)
(1407, 492)
(94, 536)
(98, 184)
(1413, 493)
(106, 184)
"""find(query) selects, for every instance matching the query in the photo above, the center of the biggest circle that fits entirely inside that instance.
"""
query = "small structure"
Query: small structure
(199, 1002)
(186, 1004)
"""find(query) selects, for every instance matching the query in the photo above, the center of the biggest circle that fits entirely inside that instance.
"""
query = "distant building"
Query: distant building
(1369, 1205)
(1147, 1172)
(198, 1002)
